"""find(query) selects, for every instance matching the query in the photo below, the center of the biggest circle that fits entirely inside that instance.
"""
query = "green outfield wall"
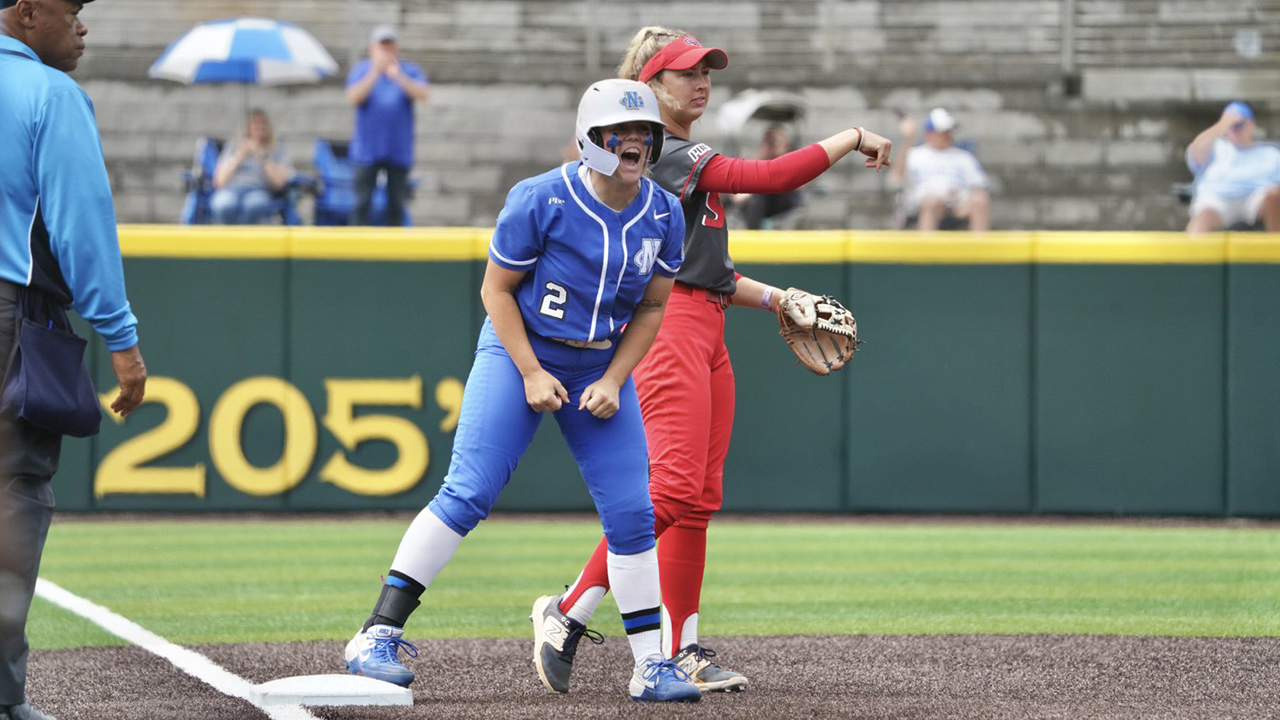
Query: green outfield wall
(323, 369)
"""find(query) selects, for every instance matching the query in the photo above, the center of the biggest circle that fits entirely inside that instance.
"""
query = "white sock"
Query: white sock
(688, 633)
(635, 588)
(586, 605)
(426, 548)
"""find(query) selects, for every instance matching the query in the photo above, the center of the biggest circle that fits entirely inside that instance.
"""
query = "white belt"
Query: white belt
(592, 345)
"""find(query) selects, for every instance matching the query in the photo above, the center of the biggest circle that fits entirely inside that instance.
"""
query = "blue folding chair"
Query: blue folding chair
(335, 184)
(335, 188)
(198, 182)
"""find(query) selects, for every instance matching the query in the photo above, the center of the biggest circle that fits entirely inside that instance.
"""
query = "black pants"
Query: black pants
(28, 460)
(397, 192)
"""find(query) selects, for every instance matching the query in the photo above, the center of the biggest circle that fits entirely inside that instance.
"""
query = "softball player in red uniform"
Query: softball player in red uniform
(685, 382)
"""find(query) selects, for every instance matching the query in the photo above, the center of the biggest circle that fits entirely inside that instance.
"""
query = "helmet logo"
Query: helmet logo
(631, 100)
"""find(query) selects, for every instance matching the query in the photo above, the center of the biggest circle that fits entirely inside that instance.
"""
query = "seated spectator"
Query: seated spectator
(769, 210)
(251, 169)
(938, 178)
(1237, 180)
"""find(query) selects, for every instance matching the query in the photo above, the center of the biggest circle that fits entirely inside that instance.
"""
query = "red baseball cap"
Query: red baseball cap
(682, 54)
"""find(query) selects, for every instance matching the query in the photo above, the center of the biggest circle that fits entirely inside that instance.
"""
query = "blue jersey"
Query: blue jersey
(384, 121)
(587, 264)
(57, 220)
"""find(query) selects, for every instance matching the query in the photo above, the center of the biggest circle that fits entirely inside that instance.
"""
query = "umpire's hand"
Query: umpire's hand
(131, 371)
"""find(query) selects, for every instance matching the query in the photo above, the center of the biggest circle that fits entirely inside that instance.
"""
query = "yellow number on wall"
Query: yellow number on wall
(411, 446)
(122, 471)
(227, 421)
(449, 398)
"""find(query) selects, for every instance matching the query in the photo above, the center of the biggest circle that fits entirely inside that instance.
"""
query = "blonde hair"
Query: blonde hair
(644, 45)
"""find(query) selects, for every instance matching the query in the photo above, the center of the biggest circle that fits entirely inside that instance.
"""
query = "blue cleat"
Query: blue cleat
(375, 653)
(660, 680)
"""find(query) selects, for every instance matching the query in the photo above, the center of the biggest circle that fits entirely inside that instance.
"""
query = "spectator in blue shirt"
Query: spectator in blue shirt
(58, 248)
(250, 171)
(383, 89)
(1237, 179)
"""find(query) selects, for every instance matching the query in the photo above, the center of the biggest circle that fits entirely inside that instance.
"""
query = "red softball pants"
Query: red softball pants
(686, 389)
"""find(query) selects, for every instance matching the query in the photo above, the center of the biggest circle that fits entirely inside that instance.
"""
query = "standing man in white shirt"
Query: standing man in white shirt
(940, 179)
(1237, 179)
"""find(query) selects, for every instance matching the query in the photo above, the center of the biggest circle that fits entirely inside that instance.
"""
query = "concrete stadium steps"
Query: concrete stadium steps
(506, 77)
(469, 41)
(475, 142)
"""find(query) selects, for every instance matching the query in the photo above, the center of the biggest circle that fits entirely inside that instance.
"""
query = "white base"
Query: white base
(330, 690)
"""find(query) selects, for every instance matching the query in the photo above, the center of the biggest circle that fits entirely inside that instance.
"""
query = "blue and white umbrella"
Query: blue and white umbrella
(247, 50)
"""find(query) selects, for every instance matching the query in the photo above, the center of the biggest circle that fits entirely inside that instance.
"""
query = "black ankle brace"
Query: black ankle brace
(394, 607)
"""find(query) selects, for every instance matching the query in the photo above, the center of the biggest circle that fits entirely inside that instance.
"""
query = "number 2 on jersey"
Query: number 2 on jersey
(551, 302)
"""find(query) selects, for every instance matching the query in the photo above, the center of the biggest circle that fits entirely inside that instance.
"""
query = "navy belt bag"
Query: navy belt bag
(47, 385)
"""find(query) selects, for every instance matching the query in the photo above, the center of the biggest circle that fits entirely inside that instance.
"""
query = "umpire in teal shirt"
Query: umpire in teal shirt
(58, 247)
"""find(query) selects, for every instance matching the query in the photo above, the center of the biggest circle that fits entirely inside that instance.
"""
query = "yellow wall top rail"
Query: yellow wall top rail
(803, 247)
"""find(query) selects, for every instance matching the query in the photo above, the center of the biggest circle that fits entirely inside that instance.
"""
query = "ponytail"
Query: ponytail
(644, 45)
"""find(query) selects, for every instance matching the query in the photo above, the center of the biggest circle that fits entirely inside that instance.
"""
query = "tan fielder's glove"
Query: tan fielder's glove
(818, 329)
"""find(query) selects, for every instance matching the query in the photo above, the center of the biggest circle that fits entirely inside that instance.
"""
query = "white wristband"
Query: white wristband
(767, 296)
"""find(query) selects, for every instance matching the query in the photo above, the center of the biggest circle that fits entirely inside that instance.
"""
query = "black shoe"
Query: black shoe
(23, 712)
(707, 675)
(555, 642)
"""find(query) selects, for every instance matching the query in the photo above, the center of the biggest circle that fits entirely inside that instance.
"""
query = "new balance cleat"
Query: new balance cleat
(555, 642)
(375, 653)
(707, 675)
(660, 680)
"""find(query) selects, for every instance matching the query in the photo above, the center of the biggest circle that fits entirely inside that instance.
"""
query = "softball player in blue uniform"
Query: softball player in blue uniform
(580, 266)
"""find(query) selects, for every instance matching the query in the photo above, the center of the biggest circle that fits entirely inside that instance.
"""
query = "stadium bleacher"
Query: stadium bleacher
(1082, 108)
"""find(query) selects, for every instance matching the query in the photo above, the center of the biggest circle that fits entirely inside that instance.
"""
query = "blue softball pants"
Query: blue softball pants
(496, 426)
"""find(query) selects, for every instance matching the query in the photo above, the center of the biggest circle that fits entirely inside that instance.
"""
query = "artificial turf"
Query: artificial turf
(243, 581)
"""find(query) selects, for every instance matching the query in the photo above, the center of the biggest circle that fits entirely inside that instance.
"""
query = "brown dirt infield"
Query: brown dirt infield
(1014, 676)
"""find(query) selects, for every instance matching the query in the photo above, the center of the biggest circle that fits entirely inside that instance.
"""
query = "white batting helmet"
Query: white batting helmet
(610, 102)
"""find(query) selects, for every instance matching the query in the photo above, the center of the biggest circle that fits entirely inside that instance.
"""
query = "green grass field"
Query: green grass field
(233, 581)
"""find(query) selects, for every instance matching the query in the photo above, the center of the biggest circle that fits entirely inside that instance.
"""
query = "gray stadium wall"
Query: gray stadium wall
(1120, 373)
(1080, 111)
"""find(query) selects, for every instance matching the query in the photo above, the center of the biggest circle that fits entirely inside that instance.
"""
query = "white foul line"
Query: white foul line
(188, 661)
